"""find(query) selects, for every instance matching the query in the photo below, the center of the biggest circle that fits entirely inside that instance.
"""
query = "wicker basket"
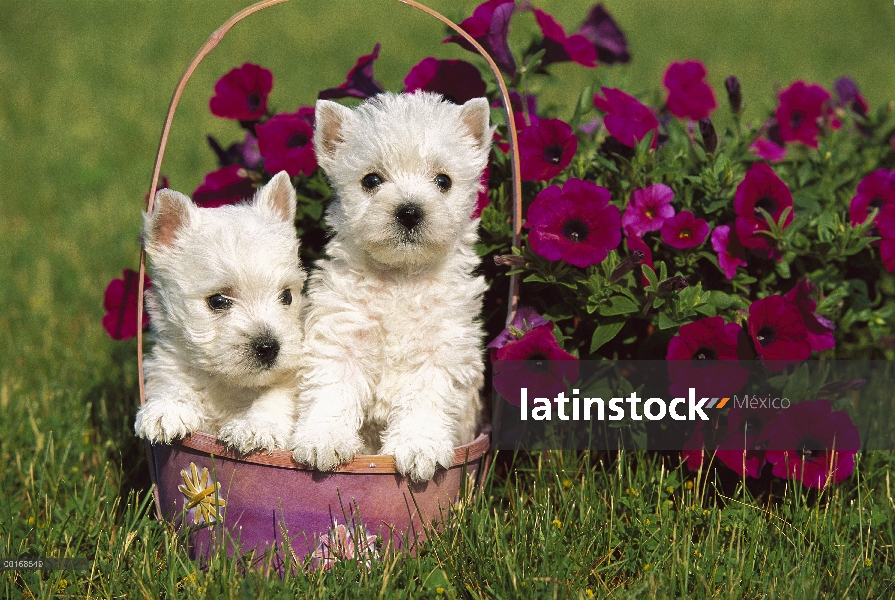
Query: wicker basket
(267, 501)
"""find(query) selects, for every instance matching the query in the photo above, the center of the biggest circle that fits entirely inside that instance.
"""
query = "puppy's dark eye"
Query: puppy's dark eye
(286, 297)
(371, 181)
(219, 302)
(443, 182)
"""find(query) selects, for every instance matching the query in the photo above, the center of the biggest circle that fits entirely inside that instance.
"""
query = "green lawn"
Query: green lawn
(85, 86)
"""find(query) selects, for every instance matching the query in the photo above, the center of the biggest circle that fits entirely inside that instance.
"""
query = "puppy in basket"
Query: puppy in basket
(226, 318)
(393, 344)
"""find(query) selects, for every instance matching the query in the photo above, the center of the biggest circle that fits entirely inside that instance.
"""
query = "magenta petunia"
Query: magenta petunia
(731, 253)
(608, 39)
(876, 190)
(359, 82)
(635, 244)
(456, 80)
(760, 188)
(684, 230)
(704, 355)
(483, 200)
(885, 223)
(562, 48)
(286, 142)
(120, 303)
(228, 185)
(850, 96)
(648, 209)
(820, 329)
(626, 118)
(243, 153)
(768, 150)
(242, 93)
(544, 373)
(689, 96)
(801, 105)
(778, 332)
(811, 442)
(545, 149)
(575, 223)
(742, 449)
(489, 25)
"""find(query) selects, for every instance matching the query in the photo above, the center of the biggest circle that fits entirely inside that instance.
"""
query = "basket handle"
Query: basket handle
(213, 41)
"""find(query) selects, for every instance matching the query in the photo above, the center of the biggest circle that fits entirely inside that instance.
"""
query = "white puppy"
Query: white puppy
(226, 317)
(393, 354)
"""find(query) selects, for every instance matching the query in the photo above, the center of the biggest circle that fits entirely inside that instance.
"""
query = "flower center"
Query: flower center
(877, 203)
(649, 213)
(705, 354)
(253, 101)
(795, 120)
(810, 448)
(765, 335)
(553, 154)
(685, 234)
(575, 230)
(297, 140)
(766, 202)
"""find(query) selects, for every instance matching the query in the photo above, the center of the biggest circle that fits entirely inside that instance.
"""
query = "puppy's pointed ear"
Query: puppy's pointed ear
(329, 122)
(474, 115)
(171, 212)
(278, 197)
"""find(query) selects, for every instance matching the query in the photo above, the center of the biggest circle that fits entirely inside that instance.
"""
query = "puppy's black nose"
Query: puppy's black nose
(409, 215)
(266, 350)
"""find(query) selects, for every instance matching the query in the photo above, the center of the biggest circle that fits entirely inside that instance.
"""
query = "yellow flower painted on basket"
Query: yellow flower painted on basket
(201, 494)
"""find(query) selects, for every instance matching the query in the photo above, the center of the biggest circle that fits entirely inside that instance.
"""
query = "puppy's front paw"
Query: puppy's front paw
(163, 421)
(247, 435)
(325, 450)
(419, 458)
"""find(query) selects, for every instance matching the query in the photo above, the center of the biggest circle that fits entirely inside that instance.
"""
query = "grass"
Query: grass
(86, 88)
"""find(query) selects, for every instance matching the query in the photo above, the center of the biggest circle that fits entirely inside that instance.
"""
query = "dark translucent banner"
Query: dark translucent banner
(809, 408)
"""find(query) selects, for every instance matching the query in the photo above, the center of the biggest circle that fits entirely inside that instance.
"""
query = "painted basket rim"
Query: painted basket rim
(361, 464)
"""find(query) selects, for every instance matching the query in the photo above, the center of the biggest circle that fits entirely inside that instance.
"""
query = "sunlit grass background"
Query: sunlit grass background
(84, 86)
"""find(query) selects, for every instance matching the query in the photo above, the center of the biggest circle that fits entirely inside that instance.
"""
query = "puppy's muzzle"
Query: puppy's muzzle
(266, 349)
(409, 216)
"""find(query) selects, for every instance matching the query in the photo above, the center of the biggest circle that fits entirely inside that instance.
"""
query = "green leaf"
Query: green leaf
(605, 333)
(619, 305)
(721, 300)
(651, 277)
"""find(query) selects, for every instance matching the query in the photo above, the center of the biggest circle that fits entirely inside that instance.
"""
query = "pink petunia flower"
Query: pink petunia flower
(704, 355)
(648, 209)
(801, 105)
(359, 82)
(768, 150)
(482, 200)
(743, 448)
(731, 253)
(544, 373)
(760, 188)
(778, 332)
(811, 442)
(228, 185)
(885, 223)
(286, 142)
(689, 96)
(242, 93)
(608, 39)
(456, 80)
(574, 223)
(525, 319)
(120, 303)
(820, 329)
(545, 149)
(684, 230)
(626, 118)
(560, 47)
(489, 25)
(850, 96)
(876, 190)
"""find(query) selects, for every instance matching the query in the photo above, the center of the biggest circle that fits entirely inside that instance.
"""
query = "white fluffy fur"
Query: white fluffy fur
(204, 372)
(392, 338)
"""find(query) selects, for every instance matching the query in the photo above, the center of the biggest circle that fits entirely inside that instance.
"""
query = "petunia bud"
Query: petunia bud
(734, 96)
(671, 285)
(625, 266)
(709, 137)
